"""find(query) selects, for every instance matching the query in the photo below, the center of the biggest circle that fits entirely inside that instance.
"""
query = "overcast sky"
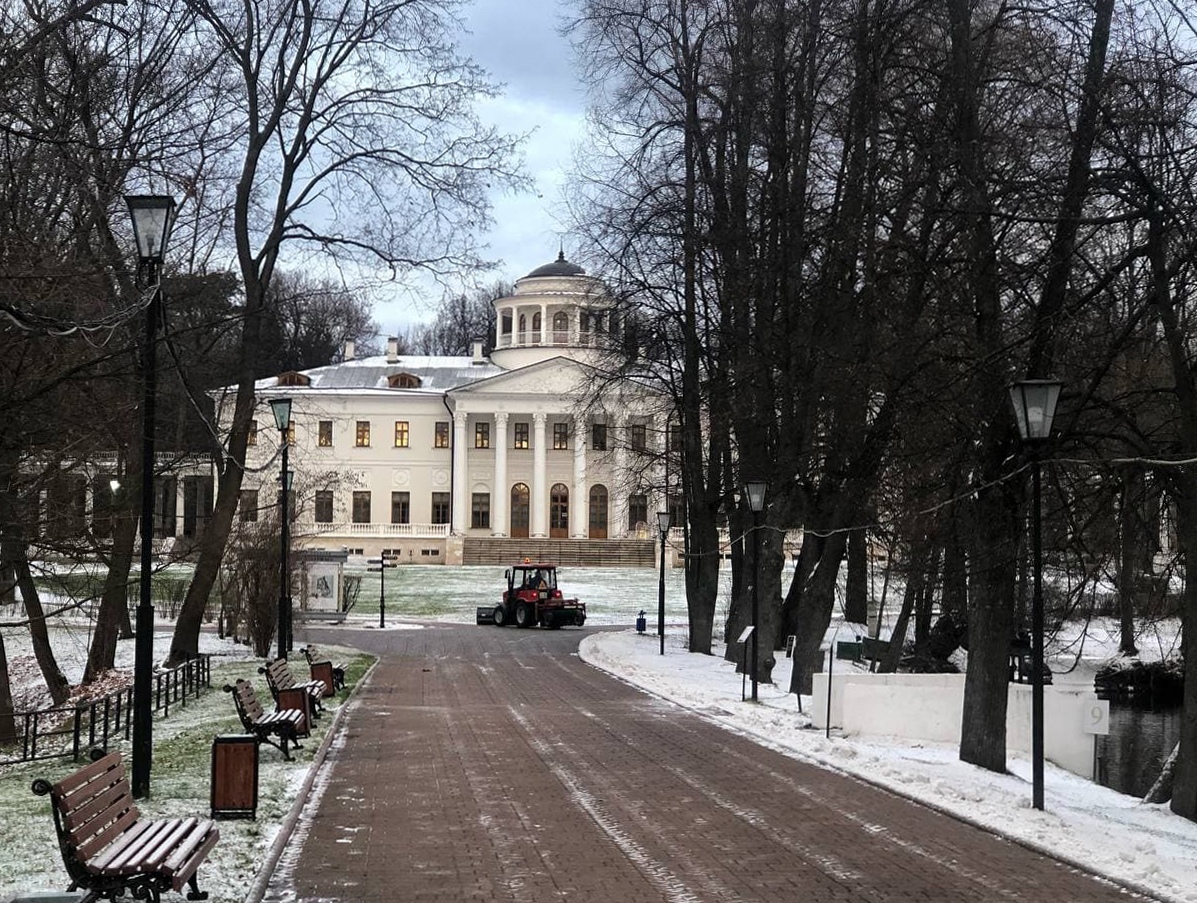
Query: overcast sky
(519, 43)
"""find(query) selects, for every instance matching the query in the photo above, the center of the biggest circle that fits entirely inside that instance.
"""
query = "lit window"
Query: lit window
(481, 435)
(400, 434)
(324, 434)
(521, 436)
(442, 434)
(363, 434)
(253, 433)
(560, 435)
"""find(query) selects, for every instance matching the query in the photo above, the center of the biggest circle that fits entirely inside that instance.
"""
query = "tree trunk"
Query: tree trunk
(43, 650)
(8, 721)
(113, 616)
(1129, 540)
(816, 603)
(1161, 790)
(856, 601)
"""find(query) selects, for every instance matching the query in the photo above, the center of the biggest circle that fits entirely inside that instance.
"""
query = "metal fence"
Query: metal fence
(70, 730)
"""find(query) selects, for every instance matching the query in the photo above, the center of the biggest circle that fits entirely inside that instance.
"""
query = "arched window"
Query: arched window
(292, 378)
(403, 381)
(519, 510)
(598, 512)
(536, 329)
(559, 511)
(523, 329)
(560, 328)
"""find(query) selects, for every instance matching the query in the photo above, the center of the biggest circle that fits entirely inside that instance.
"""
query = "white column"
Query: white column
(179, 505)
(460, 511)
(544, 324)
(620, 485)
(499, 492)
(579, 519)
(662, 471)
(540, 505)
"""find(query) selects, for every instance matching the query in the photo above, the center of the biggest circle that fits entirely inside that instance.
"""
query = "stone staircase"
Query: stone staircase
(615, 553)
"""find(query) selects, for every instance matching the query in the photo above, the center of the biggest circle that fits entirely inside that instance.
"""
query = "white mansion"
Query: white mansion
(473, 459)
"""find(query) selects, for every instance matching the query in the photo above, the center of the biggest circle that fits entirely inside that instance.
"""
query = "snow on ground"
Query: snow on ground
(1102, 831)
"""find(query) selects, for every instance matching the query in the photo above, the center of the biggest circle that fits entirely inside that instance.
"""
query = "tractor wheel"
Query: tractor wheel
(552, 622)
(500, 616)
(525, 614)
(580, 619)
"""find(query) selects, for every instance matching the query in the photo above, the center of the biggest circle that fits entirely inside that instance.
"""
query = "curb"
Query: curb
(258, 889)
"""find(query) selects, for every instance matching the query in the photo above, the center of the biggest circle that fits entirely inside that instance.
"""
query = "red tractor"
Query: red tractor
(532, 598)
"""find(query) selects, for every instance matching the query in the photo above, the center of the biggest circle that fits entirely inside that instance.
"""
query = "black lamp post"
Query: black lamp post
(153, 216)
(755, 491)
(663, 524)
(281, 407)
(1034, 403)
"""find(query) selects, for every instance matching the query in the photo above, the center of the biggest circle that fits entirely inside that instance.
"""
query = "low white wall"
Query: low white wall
(930, 706)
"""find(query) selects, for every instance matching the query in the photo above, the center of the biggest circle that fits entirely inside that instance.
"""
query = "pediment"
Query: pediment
(559, 376)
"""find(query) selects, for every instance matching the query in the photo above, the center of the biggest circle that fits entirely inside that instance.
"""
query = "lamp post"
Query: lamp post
(1034, 403)
(281, 407)
(153, 216)
(755, 491)
(663, 524)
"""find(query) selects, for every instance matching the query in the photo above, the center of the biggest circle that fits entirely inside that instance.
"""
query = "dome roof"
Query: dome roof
(559, 267)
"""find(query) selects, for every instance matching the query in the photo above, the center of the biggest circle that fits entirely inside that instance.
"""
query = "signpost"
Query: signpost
(383, 562)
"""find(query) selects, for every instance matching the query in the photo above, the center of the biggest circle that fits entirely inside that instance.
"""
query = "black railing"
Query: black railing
(69, 730)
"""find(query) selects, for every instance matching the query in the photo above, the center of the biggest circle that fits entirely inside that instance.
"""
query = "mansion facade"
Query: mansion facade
(529, 449)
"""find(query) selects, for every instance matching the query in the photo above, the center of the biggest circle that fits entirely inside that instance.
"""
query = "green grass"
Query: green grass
(179, 786)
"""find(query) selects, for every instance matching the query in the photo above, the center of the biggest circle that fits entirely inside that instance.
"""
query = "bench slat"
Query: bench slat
(108, 861)
(88, 845)
(186, 847)
(88, 773)
(85, 809)
(184, 871)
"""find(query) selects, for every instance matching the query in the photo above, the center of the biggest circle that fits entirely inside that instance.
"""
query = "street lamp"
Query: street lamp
(281, 407)
(153, 216)
(1034, 403)
(755, 491)
(663, 524)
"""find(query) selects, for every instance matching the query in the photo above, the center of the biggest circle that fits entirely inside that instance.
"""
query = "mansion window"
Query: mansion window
(401, 434)
(400, 507)
(674, 437)
(677, 511)
(481, 435)
(361, 507)
(637, 510)
(253, 433)
(480, 510)
(598, 436)
(560, 435)
(324, 506)
(638, 437)
(440, 507)
(362, 435)
(521, 436)
(560, 328)
(324, 434)
(442, 434)
(247, 506)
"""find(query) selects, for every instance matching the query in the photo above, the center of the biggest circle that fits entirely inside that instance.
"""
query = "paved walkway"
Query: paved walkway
(494, 765)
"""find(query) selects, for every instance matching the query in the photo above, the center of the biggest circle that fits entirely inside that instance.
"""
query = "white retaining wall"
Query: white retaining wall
(930, 707)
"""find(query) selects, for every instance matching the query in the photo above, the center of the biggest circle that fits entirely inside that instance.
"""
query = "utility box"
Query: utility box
(234, 776)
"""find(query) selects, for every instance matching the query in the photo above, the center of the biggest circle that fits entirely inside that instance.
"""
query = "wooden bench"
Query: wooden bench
(286, 724)
(333, 674)
(287, 691)
(108, 848)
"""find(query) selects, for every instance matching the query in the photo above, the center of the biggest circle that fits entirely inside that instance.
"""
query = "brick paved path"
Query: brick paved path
(494, 765)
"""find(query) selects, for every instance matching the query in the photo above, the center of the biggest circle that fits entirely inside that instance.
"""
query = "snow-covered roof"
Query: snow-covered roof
(436, 374)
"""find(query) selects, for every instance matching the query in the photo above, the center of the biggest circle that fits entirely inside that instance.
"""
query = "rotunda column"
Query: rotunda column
(579, 519)
(620, 485)
(540, 504)
(460, 512)
(499, 491)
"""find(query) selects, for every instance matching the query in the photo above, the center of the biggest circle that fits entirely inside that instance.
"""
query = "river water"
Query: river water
(1130, 757)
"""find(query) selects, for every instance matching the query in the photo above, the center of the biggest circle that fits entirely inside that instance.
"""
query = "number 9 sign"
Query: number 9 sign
(1097, 716)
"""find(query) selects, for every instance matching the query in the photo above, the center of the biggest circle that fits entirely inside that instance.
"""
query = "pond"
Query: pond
(1130, 757)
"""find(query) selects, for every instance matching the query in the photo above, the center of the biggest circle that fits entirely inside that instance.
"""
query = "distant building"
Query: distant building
(535, 450)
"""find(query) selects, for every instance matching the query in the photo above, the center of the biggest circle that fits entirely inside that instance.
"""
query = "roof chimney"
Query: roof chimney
(478, 356)
(349, 350)
(392, 350)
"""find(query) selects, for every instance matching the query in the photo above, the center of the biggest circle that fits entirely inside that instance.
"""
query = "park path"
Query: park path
(494, 765)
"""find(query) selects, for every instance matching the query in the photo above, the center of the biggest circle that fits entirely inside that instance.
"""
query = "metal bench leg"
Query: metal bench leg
(195, 893)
